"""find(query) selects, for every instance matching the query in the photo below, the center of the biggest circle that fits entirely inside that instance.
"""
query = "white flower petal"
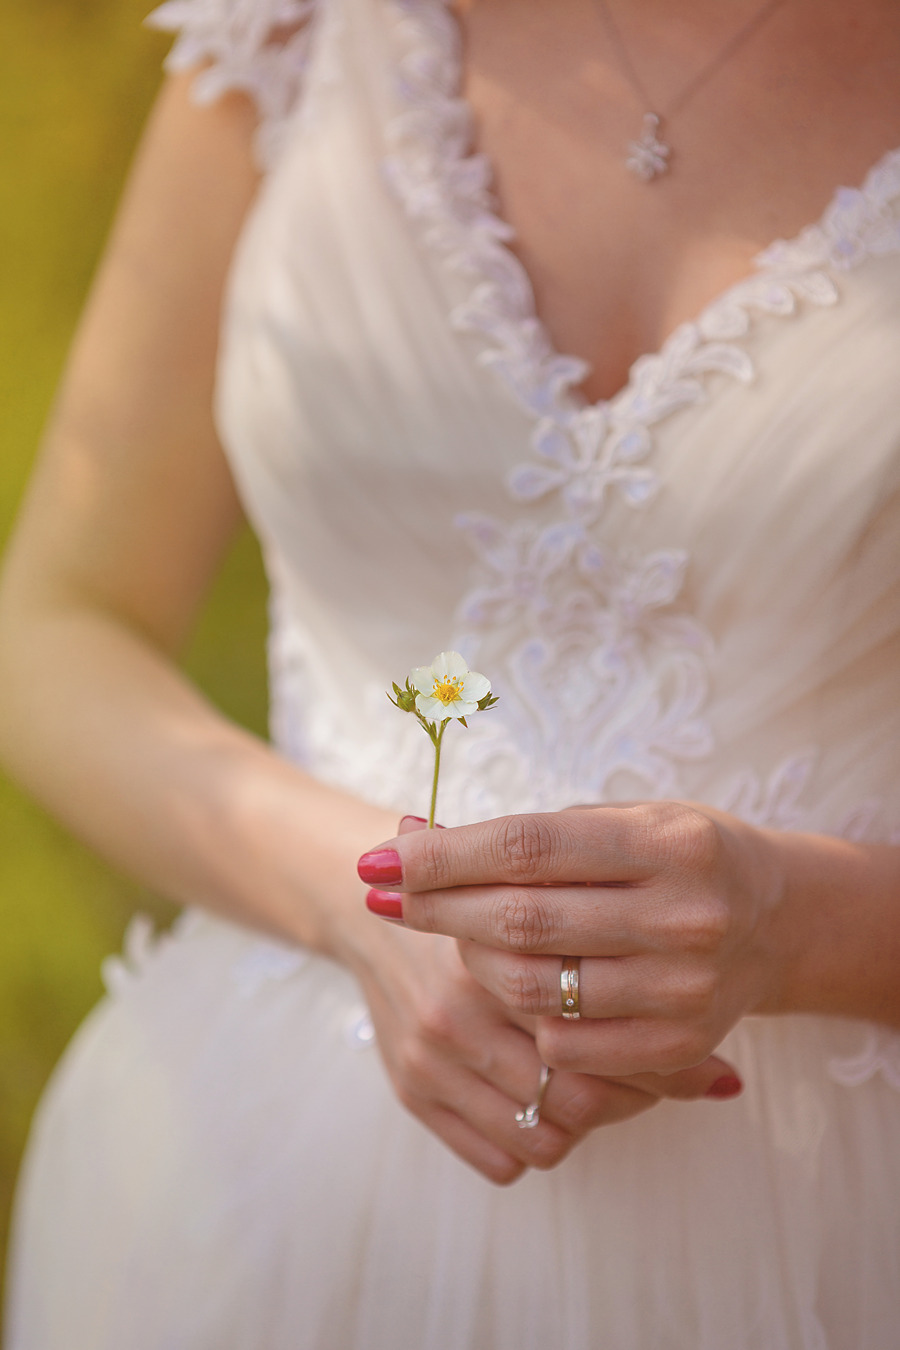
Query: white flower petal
(432, 709)
(422, 678)
(475, 686)
(461, 708)
(449, 663)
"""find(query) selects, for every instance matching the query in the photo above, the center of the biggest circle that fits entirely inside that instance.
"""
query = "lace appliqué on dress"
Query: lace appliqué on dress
(141, 945)
(776, 802)
(879, 1054)
(262, 961)
(260, 47)
(138, 947)
(604, 679)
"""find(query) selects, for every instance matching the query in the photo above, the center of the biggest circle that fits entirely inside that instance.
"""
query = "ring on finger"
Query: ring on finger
(527, 1118)
(568, 988)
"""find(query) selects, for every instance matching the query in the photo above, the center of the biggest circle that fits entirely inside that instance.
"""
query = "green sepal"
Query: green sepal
(404, 699)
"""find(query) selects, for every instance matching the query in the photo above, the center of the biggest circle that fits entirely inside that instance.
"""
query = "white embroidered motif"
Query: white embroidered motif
(775, 803)
(604, 679)
(263, 962)
(138, 947)
(879, 1054)
(141, 946)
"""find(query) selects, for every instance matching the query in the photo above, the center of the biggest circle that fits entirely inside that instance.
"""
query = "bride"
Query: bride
(358, 239)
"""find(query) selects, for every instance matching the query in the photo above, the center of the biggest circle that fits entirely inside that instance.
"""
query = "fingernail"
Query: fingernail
(381, 865)
(420, 820)
(727, 1086)
(385, 904)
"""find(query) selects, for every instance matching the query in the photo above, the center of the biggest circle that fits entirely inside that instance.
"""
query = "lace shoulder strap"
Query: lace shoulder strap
(260, 47)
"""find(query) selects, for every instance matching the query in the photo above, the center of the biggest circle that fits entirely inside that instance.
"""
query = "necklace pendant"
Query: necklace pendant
(649, 156)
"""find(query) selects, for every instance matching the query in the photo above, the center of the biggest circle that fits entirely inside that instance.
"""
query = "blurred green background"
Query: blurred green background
(76, 82)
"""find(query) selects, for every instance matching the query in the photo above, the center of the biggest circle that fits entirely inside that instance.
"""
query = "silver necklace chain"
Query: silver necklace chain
(648, 157)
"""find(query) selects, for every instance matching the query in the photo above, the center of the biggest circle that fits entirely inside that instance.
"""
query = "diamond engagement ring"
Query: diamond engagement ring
(568, 987)
(527, 1118)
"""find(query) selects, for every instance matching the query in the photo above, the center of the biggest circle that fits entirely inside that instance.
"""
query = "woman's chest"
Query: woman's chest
(385, 347)
(617, 263)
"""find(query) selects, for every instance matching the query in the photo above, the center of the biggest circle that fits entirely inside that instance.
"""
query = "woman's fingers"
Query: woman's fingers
(647, 985)
(461, 1066)
(575, 1103)
(470, 1145)
(489, 1112)
(660, 902)
(623, 1046)
(561, 919)
(455, 1059)
(482, 1128)
(714, 1079)
(580, 1103)
(489, 1072)
(501, 1150)
(609, 845)
(642, 995)
(607, 882)
(461, 1051)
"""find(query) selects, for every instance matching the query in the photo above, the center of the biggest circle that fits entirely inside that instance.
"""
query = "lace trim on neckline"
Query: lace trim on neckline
(585, 450)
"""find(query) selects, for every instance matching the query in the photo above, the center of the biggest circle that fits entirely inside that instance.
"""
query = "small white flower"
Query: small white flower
(447, 688)
(438, 693)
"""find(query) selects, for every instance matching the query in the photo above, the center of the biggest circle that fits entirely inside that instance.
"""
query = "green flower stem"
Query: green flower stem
(437, 768)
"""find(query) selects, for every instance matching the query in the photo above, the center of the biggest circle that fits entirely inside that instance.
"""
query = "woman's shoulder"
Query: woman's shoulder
(256, 47)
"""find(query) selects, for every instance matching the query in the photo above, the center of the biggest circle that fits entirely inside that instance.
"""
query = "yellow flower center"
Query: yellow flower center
(448, 690)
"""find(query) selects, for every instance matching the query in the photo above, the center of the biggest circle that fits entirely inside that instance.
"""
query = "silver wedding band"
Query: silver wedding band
(528, 1117)
(568, 988)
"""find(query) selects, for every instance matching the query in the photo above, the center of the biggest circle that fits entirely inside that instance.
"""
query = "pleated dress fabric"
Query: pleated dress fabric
(692, 590)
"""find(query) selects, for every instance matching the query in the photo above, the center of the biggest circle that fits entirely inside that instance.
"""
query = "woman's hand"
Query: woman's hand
(464, 1064)
(673, 910)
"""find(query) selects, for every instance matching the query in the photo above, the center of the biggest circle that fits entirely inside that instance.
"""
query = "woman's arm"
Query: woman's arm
(130, 511)
(686, 919)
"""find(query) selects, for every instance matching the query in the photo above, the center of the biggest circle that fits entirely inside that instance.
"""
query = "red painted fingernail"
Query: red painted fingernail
(381, 865)
(385, 904)
(420, 820)
(729, 1085)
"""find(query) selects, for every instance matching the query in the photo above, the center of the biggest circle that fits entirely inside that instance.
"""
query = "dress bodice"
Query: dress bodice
(691, 589)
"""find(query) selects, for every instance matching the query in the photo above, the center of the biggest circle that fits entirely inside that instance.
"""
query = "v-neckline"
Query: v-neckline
(451, 185)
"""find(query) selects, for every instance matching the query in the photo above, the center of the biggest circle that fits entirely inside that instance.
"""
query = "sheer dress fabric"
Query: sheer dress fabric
(690, 590)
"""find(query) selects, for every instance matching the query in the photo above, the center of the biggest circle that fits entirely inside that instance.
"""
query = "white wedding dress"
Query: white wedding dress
(692, 589)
